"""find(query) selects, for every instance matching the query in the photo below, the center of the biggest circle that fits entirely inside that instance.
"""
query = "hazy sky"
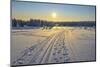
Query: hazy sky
(27, 10)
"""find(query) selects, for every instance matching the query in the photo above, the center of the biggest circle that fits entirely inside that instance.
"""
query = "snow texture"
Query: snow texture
(56, 45)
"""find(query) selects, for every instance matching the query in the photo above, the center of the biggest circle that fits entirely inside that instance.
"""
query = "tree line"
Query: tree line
(41, 23)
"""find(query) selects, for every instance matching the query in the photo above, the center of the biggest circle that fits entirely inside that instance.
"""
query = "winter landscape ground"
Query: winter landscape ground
(56, 45)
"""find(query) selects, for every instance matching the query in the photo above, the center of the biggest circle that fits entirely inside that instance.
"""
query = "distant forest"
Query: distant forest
(41, 23)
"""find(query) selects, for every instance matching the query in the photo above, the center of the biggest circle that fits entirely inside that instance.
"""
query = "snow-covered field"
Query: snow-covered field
(56, 45)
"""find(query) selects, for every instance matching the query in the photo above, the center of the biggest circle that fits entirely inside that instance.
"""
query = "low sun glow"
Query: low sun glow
(54, 15)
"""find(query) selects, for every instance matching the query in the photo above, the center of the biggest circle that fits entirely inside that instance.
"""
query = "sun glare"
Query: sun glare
(54, 15)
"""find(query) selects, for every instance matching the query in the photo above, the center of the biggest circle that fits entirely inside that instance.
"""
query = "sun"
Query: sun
(54, 15)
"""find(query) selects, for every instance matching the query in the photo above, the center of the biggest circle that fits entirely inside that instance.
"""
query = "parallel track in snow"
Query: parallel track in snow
(50, 50)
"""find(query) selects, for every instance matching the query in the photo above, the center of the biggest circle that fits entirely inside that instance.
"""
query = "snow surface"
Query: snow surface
(56, 45)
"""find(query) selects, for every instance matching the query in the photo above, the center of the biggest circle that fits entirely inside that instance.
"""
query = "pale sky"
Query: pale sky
(45, 11)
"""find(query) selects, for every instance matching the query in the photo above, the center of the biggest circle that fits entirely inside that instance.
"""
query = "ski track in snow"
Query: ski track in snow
(56, 48)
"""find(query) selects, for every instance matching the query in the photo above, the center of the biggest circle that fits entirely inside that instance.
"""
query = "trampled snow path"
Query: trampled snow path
(52, 50)
(60, 47)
